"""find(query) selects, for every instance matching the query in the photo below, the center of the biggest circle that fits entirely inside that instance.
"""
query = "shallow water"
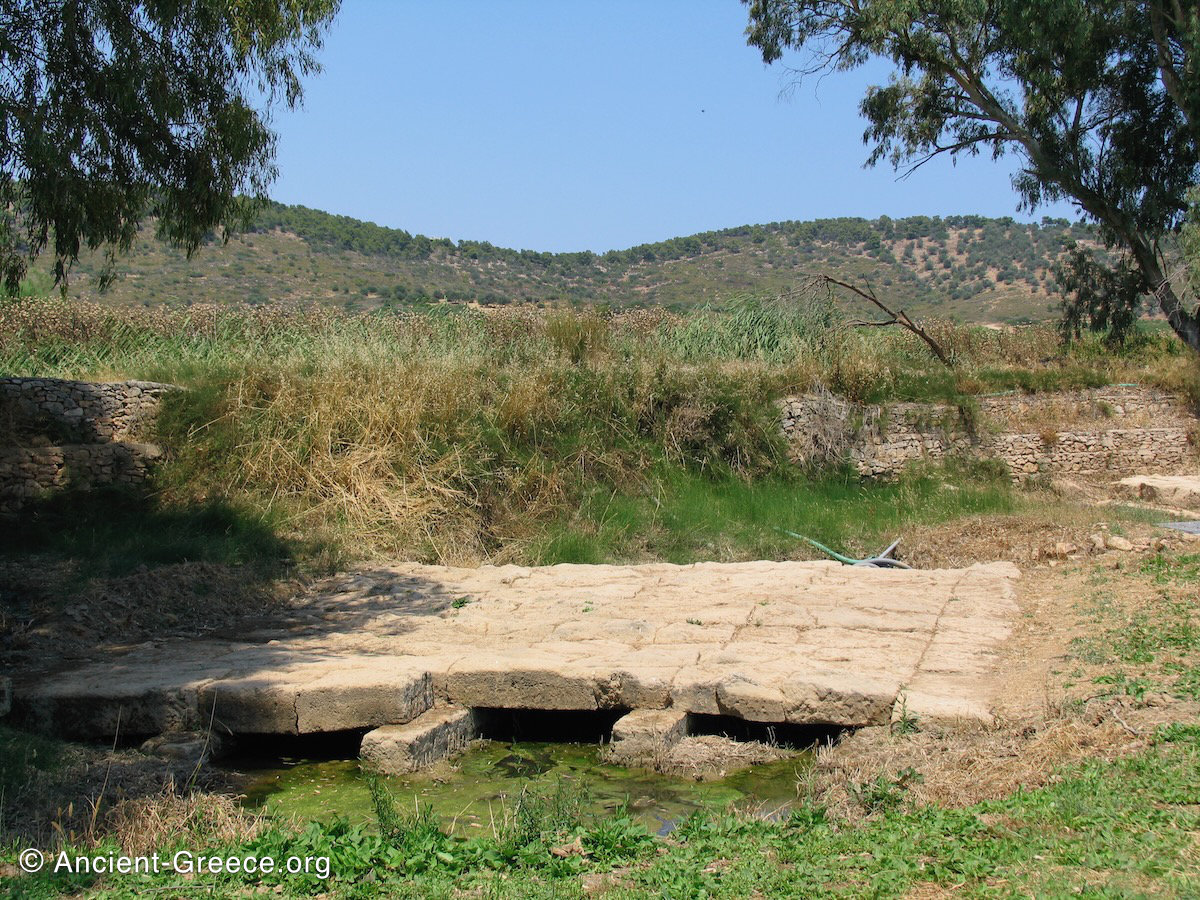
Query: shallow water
(488, 776)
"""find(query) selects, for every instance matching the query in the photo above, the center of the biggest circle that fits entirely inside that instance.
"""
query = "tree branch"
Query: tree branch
(896, 318)
(1166, 64)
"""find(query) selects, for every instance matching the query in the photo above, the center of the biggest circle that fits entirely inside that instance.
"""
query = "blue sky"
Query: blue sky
(569, 125)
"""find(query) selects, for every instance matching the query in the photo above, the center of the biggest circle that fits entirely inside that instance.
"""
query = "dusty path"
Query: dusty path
(796, 642)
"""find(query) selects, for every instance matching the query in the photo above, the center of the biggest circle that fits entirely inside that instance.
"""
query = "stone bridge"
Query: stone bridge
(797, 643)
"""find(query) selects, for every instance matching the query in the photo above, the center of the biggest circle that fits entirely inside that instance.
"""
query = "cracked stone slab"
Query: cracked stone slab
(797, 642)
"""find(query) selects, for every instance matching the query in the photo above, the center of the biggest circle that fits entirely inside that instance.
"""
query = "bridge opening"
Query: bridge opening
(779, 734)
(560, 726)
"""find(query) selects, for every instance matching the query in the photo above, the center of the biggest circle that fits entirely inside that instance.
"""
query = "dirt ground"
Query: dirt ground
(40, 632)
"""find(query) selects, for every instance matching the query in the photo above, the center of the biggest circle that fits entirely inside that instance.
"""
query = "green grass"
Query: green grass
(1102, 829)
(686, 517)
(21, 754)
(1154, 647)
(117, 531)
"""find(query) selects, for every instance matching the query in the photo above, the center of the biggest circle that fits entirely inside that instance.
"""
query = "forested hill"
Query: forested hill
(968, 267)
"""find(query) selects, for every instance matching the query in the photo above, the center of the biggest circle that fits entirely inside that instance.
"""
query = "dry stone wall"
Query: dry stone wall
(1087, 432)
(55, 433)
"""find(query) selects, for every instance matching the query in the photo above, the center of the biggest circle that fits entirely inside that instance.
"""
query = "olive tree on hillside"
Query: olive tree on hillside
(115, 110)
(1099, 98)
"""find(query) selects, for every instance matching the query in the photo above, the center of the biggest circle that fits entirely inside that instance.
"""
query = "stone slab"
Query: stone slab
(1192, 527)
(434, 735)
(1179, 491)
(797, 642)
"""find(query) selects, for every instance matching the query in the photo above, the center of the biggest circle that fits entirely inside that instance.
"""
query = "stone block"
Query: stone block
(666, 725)
(361, 696)
(644, 734)
(435, 735)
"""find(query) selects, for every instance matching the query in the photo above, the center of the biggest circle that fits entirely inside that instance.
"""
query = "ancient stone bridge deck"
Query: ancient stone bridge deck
(792, 642)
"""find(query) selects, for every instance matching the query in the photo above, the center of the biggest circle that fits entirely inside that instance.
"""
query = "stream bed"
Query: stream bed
(485, 780)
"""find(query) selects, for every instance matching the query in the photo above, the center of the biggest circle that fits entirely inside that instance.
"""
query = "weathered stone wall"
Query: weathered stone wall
(85, 412)
(1086, 432)
(55, 433)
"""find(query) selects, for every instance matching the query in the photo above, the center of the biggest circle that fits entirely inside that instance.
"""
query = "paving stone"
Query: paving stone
(799, 642)
(1179, 491)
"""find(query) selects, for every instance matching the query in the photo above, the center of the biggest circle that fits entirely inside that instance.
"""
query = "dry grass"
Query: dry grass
(966, 764)
(93, 795)
(143, 825)
(698, 757)
(458, 437)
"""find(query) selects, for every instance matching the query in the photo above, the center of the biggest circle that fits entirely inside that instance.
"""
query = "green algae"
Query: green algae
(474, 795)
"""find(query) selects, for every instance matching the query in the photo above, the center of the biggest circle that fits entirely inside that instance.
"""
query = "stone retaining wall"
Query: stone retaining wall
(55, 433)
(1086, 432)
(84, 412)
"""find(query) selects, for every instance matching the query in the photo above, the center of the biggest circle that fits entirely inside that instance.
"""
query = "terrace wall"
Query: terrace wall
(55, 433)
(1117, 430)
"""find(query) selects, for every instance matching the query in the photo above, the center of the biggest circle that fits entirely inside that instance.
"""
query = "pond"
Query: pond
(485, 780)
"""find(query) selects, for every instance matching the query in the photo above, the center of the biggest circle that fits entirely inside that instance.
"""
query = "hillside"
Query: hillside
(970, 268)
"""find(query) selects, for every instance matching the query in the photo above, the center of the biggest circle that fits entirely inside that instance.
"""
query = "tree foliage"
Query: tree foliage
(1106, 298)
(113, 110)
(1191, 243)
(1099, 98)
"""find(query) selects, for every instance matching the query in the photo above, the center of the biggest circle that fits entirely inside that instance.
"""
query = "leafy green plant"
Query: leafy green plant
(1123, 685)
(905, 722)
(882, 792)
(415, 837)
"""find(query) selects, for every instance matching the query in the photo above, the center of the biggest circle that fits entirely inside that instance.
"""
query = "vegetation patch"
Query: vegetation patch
(528, 436)
(970, 268)
(1120, 827)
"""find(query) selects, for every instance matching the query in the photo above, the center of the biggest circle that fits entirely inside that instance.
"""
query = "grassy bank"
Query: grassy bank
(539, 436)
(685, 517)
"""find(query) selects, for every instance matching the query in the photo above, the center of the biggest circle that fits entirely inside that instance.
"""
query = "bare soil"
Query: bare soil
(52, 617)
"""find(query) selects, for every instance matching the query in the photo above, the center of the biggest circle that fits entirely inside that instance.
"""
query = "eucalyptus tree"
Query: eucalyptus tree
(1100, 100)
(115, 110)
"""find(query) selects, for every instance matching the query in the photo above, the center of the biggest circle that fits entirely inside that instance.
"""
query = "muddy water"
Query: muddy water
(486, 779)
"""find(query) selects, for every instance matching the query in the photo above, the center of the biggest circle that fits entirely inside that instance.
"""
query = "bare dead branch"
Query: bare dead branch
(900, 317)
